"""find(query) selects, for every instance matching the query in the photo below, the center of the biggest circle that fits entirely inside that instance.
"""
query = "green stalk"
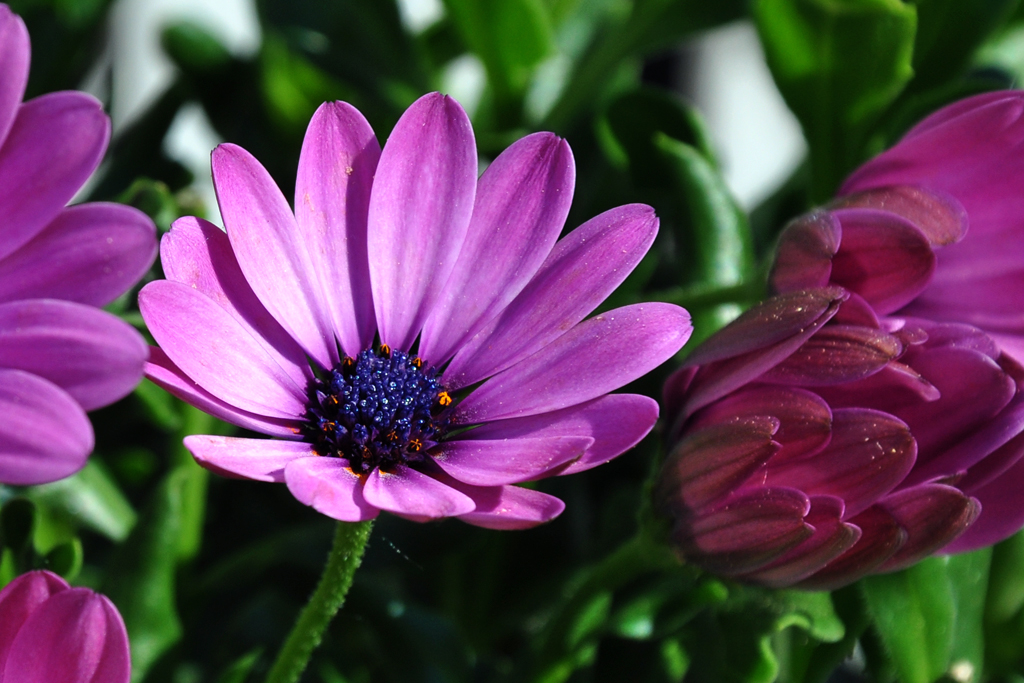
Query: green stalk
(344, 559)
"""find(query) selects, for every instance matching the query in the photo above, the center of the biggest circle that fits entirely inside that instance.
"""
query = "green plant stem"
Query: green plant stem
(344, 559)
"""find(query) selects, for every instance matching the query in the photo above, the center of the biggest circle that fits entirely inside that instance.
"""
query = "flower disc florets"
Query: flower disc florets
(379, 409)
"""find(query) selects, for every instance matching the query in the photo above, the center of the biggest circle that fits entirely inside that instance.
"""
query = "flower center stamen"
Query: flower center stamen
(379, 409)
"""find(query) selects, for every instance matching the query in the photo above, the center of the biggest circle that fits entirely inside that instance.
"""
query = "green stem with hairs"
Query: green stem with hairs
(344, 559)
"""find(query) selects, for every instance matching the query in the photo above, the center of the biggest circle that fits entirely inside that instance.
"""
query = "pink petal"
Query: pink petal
(44, 436)
(580, 272)
(1002, 511)
(420, 209)
(803, 259)
(166, 375)
(14, 61)
(869, 454)
(76, 636)
(836, 354)
(510, 507)
(406, 491)
(271, 252)
(94, 356)
(522, 201)
(483, 462)
(20, 598)
(90, 254)
(932, 515)
(881, 536)
(332, 198)
(218, 353)
(255, 459)
(629, 342)
(54, 145)
(198, 254)
(615, 422)
(329, 486)
(942, 218)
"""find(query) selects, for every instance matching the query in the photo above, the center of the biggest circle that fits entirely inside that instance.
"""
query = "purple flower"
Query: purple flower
(52, 633)
(871, 413)
(59, 355)
(414, 338)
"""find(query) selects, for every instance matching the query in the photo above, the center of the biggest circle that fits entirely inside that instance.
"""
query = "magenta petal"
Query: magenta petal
(420, 208)
(94, 356)
(831, 539)
(76, 636)
(932, 515)
(836, 354)
(634, 340)
(90, 254)
(615, 422)
(484, 462)
(256, 459)
(332, 197)
(522, 201)
(712, 462)
(169, 377)
(198, 254)
(883, 257)
(14, 61)
(881, 536)
(940, 216)
(44, 436)
(19, 599)
(271, 252)
(54, 145)
(749, 532)
(582, 270)
(406, 491)
(803, 259)
(218, 353)
(869, 454)
(510, 507)
(1002, 511)
(329, 485)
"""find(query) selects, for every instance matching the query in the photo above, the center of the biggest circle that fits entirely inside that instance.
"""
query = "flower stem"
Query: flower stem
(345, 557)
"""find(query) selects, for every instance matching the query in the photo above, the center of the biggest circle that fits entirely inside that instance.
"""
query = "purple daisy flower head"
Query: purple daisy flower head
(872, 412)
(413, 337)
(59, 355)
(52, 633)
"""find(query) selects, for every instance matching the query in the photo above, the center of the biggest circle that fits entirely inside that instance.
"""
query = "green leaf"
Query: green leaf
(239, 669)
(90, 498)
(1006, 581)
(141, 576)
(839, 65)
(914, 614)
(812, 612)
(968, 574)
(65, 559)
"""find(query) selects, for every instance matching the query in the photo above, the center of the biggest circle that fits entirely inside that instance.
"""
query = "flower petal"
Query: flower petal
(510, 507)
(869, 454)
(939, 215)
(615, 422)
(165, 374)
(76, 636)
(332, 197)
(522, 201)
(420, 208)
(94, 356)
(484, 462)
(881, 536)
(932, 515)
(329, 486)
(803, 259)
(90, 254)
(44, 436)
(218, 353)
(14, 61)
(634, 340)
(1002, 511)
(23, 596)
(406, 491)
(54, 145)
(198, 254)
(270, 251)
(836, 354)
(255, 459)
(580, 272)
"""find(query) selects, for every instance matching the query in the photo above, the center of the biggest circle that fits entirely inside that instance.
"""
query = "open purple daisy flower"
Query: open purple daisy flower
(414, 338)
(59, 355)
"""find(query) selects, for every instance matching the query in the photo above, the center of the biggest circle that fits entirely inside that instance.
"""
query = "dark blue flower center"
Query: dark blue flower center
(379, 409)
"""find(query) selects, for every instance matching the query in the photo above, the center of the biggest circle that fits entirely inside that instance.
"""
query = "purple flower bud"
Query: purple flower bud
(52, 633)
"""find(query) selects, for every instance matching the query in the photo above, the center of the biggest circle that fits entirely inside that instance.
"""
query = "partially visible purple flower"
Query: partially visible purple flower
(872, 413)
(59, 355)
(52, 633)
(414, 338)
